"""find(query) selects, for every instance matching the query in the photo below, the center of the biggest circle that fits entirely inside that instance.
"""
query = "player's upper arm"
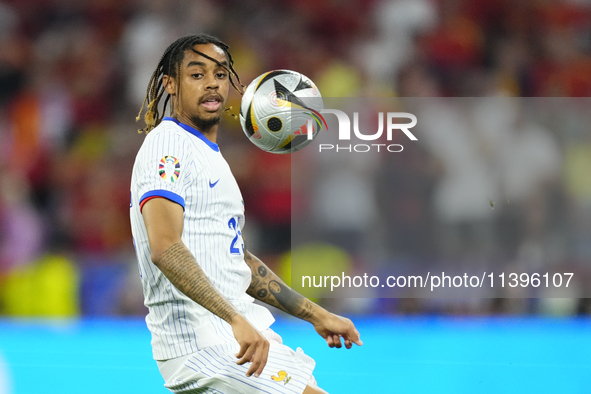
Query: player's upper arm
(164, 224)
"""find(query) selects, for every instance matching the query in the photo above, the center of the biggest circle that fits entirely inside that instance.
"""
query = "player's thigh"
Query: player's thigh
(215, 370)
(314, 390)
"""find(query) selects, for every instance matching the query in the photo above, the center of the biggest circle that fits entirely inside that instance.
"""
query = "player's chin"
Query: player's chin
(210, 115)
(206, 121)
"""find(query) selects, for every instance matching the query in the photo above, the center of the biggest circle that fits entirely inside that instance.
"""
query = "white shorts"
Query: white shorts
(214, 370)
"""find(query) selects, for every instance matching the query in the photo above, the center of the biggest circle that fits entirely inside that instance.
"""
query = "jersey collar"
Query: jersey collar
(195, 132)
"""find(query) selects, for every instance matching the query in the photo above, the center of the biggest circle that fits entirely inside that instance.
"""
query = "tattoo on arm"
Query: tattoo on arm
(267, 287)
(290, 300)
(262, 293)
(180, 267)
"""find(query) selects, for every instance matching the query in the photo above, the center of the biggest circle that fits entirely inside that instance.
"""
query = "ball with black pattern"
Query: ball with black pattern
(276, 108)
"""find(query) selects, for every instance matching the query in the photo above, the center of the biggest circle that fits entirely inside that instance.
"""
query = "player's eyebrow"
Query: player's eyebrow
(202, 64)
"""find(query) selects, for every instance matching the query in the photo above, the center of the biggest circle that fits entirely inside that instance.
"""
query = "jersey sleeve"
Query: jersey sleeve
(165, 170)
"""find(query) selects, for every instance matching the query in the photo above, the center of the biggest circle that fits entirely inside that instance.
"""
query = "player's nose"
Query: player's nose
(211, 82)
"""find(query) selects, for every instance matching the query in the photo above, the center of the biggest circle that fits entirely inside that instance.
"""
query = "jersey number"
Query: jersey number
(234, 249)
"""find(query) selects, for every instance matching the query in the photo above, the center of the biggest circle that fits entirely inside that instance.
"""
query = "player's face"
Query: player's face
(204, 87)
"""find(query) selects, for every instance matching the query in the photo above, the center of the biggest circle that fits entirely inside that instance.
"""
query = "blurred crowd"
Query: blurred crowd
(73, 75)
(493, 184)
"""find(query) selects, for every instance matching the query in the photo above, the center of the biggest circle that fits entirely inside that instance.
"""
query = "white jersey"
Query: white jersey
(179, 163)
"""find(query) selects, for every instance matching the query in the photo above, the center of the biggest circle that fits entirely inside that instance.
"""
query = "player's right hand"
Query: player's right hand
(254, 348)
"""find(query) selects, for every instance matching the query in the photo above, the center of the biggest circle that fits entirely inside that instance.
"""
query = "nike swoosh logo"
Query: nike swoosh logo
(213, 184)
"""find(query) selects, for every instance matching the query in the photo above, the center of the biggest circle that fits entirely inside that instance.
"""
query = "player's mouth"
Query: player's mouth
(212, 102)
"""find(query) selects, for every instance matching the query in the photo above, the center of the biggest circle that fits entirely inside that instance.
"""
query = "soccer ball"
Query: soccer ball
(280, 111)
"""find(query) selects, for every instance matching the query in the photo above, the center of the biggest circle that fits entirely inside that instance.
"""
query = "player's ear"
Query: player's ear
(169, 84)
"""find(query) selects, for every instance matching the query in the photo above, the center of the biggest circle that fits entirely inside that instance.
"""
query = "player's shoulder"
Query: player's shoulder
(166, 130)
(166, 136)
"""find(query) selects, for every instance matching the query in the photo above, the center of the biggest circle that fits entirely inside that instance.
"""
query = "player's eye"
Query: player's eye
(196, 75)
(221, 75)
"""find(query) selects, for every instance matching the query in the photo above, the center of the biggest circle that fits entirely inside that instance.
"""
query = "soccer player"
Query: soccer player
(198, 278)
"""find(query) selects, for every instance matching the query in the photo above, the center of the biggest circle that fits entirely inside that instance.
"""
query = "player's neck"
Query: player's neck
(210, 132)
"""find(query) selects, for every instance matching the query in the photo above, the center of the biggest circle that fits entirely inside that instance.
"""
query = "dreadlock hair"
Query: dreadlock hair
(170, 65)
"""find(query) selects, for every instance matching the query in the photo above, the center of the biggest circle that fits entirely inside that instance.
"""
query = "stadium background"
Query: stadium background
(72, 78)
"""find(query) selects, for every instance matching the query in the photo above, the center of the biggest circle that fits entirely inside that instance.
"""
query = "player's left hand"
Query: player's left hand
(333, 327)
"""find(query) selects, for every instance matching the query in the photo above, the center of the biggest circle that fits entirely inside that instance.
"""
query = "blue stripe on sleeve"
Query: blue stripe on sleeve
(166, 194)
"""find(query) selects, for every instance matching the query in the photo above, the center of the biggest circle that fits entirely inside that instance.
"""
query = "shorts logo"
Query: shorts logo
(281, 377)
(169, 168)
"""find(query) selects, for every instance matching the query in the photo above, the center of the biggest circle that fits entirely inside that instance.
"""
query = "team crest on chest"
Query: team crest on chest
(169, 168)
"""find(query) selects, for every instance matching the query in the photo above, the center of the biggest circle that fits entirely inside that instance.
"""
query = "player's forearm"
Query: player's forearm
(268, 288)
(178, 264)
